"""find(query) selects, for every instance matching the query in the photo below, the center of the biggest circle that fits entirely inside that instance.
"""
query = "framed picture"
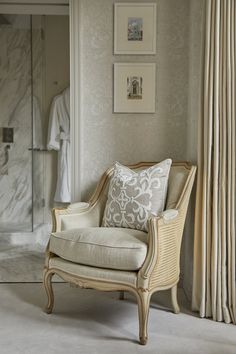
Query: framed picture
(134, 87)
(135, 28)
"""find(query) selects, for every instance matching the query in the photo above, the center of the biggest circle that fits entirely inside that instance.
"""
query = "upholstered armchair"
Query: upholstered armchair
(155, 255)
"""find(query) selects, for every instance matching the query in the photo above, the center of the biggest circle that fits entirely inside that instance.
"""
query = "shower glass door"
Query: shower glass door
(16, 128)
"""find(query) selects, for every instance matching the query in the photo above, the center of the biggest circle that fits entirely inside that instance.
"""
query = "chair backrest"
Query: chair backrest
(178, 178)
(179, 173)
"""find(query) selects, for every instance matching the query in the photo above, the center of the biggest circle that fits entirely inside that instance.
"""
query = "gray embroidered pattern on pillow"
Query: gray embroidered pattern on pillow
(135, 196)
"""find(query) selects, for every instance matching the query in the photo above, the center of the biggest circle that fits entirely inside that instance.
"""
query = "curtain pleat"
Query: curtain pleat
(214, 240)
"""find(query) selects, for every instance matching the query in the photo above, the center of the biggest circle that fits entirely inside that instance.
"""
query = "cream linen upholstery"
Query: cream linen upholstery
(113, 248)
(177, 180)
(155, 255)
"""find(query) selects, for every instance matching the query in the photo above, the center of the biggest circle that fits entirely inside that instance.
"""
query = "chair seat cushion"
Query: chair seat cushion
(113, 248)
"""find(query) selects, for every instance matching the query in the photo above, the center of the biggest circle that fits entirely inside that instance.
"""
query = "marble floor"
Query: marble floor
(15, 227)
(90, 322)
(21, 263)
(22, 255)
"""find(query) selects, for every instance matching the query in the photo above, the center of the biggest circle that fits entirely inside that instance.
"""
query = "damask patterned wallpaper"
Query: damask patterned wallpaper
(130, 138)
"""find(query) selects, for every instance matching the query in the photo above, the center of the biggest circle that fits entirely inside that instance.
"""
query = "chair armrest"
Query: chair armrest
(169, 214)
(78, 207)
(77, 215)
(161, 265)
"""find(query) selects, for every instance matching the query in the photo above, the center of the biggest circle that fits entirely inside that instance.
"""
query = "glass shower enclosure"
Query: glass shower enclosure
(21, 122)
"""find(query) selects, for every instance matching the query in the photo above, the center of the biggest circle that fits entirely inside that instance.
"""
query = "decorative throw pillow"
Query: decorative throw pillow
(135, 196)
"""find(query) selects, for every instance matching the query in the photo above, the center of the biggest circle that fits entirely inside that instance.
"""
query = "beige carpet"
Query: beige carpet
(86, 321)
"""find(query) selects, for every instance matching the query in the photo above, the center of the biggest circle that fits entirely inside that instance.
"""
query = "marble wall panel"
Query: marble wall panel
(21, 251)
(15, 98)
(22, 98)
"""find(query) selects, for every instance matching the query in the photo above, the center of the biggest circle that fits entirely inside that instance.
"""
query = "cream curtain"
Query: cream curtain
(214, 244)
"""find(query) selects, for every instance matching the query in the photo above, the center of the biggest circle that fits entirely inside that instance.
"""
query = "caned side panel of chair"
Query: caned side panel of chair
(167, 268)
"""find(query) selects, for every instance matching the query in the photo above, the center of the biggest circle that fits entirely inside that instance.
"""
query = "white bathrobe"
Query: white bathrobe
(59, 139)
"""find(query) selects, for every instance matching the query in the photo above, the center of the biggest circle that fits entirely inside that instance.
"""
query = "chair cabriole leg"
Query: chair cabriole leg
(174, 299)
(47, 282)
(143, 310)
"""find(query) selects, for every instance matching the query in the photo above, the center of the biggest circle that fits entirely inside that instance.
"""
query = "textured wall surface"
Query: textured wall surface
(194, 110)
(130, 138)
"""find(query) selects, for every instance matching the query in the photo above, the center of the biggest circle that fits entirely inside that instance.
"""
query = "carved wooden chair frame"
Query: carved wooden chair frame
(161, 268)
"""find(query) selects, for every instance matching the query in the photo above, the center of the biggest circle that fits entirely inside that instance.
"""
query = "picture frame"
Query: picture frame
(134, 87)
(135, 28)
